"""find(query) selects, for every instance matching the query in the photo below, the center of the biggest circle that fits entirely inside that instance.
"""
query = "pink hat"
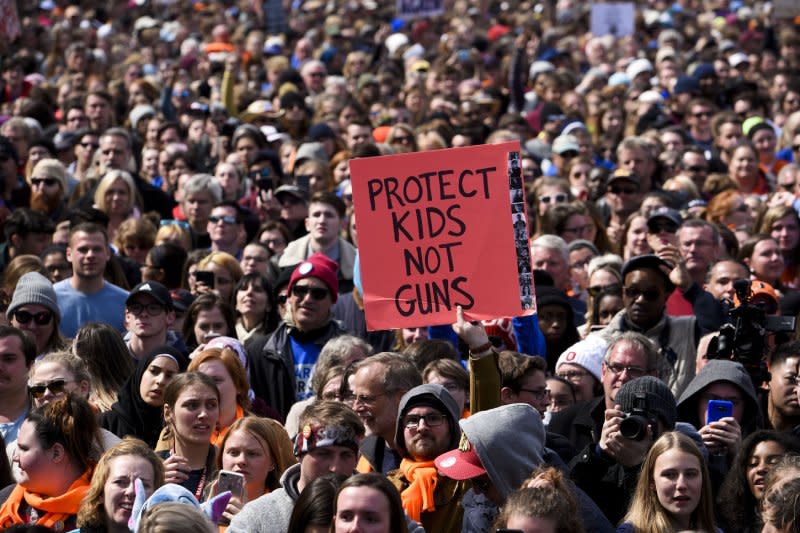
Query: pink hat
(318, 266)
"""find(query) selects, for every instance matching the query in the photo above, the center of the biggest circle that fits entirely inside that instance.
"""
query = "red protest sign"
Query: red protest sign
(440, 229)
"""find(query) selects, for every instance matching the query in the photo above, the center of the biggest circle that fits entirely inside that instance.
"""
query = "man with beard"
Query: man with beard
(427, 426)
(48, 183)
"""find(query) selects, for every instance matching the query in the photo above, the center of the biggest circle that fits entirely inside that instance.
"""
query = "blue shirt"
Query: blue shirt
(77, 308)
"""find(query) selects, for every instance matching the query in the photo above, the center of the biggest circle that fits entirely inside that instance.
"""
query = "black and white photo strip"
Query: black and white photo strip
(521, 241)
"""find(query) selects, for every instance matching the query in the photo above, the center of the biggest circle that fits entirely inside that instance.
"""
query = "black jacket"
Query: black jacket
(271, 362)
(581, 423)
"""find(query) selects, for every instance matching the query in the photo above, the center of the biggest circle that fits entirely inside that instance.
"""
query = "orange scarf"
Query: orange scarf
(418, 497)
(58, 509)
(218, 435)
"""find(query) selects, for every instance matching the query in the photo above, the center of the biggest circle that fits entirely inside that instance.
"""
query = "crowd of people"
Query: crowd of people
(184, 344)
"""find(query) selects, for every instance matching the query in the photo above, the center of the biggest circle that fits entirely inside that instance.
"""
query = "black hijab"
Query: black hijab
(130, 415)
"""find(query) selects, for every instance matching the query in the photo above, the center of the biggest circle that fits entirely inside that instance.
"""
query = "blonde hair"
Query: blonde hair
(92, 513)
(108, 179)
(224, 260)
(175, 234)
(646, 513)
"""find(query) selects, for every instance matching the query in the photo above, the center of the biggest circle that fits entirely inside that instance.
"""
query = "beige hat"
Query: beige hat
(50, 168)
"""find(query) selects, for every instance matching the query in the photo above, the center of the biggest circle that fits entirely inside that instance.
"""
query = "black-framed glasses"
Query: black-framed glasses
(56, 387)
(41, 318)
(623, 190)
(633, 371)
(432, 420)
(47, 182)
(317, 293)
(539, 394)
(227, 219)
(152, 309)
(648, 294)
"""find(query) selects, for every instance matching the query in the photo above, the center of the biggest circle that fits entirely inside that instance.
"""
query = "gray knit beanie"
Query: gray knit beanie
(659, 398)
(33, 288)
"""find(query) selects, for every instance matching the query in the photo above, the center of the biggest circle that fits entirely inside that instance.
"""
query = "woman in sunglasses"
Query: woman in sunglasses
(34, 310)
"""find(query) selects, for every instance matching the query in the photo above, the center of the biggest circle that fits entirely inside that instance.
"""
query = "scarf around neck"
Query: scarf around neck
(418, 497)
(57, 509)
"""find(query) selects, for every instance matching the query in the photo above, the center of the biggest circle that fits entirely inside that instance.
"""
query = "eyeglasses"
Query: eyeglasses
(317, 293)
(623, 190)
(540, 394)
(56, 387)
(556, 198)
(367, 400)
(597, 289)
(180, 223)
(261, 173)
(152, 309)
(573, 375)
(47, 182)
(227, 219)
(648, 294)
(658, 228)
(432, 420)
(701, 114)
(633, 371)
(42, 318)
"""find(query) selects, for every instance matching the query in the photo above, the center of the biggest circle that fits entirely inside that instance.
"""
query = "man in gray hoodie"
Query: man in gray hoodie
(499, 449)
(327, 442)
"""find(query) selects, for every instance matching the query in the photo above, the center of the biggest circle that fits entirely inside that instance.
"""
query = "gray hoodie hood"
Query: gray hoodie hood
(436, 396)
(509, 441)
(720, 370)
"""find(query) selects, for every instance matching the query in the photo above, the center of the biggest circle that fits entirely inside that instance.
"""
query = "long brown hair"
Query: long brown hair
(646, 513)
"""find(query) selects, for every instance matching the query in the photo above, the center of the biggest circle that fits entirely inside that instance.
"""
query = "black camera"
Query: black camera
(634, 425)
(743, 338)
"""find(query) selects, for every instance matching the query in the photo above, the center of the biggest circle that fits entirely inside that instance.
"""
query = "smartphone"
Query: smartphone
(718, 409)
(205, 277)
(303, 181)
(231, 481)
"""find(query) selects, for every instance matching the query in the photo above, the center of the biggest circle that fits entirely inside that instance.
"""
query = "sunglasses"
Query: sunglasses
(658, 228)
(317, 293)
(227, 219)
(595, 291)
(649, 295)
(180, 223)
(93, 146)
(282, 298)
(702, 114)
(42, 318)
(56, 387)
(623, 190)
(556, 198)
(47, 182)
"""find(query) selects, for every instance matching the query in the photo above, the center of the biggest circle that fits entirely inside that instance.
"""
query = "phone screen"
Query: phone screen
(205, 277)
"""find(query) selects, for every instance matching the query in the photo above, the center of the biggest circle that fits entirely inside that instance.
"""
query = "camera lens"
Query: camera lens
(634, 427)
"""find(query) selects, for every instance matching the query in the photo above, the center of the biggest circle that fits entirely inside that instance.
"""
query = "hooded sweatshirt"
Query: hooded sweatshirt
(271, 512)
(726, 371)
(447, 514)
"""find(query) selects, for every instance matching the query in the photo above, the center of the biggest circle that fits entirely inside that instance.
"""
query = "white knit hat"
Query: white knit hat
(587, 353)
